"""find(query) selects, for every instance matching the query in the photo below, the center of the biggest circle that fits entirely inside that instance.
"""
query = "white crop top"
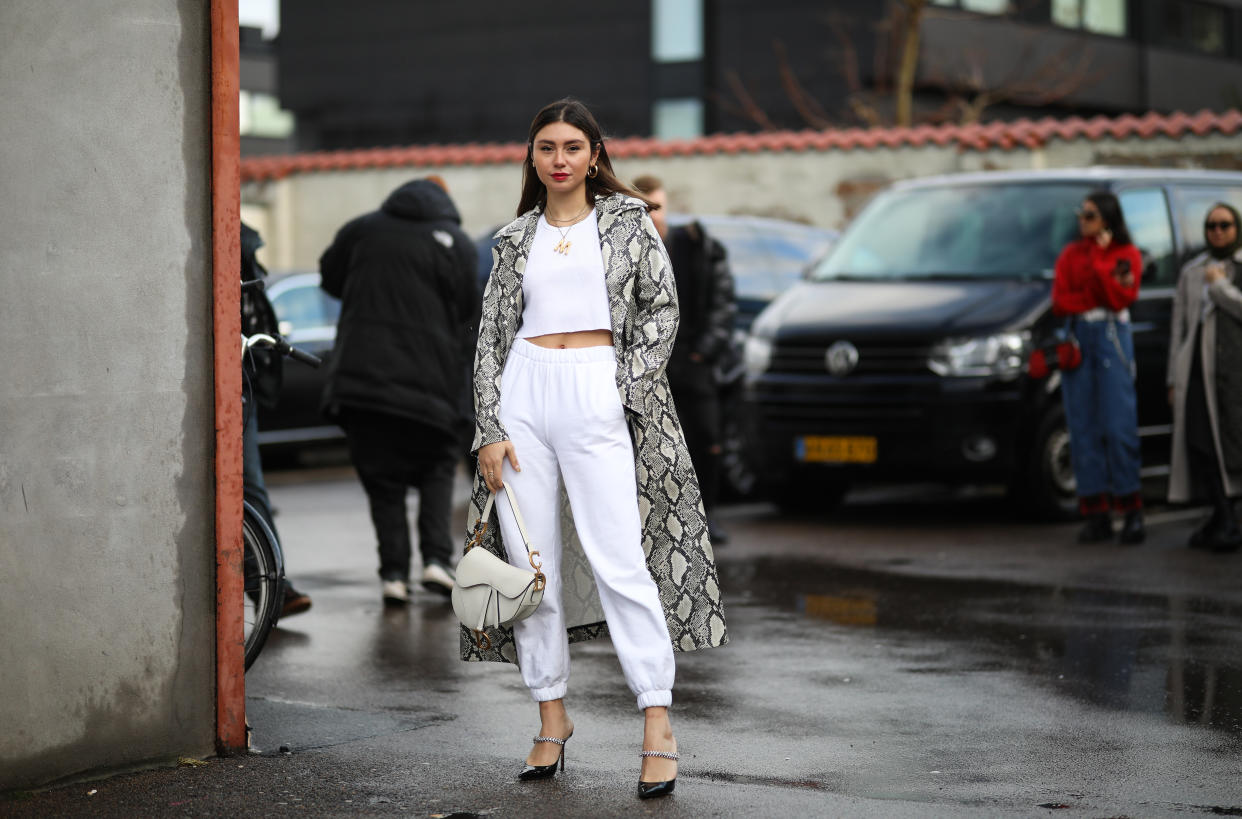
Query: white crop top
(564, 293)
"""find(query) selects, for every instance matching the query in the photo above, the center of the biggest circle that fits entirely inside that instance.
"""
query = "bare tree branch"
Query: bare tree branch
(911, 15)
(1031, 79)
(750, 109)
(849, 54)
(807, 106)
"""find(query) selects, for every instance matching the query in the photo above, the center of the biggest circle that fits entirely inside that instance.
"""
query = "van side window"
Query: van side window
(1192, 205)
(1147, 217)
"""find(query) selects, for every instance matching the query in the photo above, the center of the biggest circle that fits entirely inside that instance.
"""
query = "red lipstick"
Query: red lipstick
(560, 177)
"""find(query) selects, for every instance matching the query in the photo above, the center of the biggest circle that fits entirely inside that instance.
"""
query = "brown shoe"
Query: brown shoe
(295, 602)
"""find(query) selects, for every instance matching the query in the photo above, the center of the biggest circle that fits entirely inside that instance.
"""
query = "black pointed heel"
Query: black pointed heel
(652, 790)
(531, 772)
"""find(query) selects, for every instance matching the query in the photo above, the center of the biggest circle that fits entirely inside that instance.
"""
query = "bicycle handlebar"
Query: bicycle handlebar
(309, 359)
(278, 343)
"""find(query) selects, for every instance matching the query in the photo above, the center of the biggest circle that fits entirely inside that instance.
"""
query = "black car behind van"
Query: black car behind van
(902, 356)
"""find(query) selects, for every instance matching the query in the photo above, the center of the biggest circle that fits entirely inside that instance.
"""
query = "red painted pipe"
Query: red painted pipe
(226, 290)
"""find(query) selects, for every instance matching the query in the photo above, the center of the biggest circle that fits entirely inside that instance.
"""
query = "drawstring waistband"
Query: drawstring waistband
(557, 355)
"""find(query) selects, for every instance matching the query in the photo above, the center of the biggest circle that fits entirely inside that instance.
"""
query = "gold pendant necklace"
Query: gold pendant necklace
(562, 247)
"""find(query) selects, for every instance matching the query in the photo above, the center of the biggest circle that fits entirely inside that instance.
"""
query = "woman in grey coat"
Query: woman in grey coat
(1205, 382)
(574, 414)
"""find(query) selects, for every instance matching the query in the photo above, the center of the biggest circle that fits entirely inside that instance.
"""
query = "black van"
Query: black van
(902, 356)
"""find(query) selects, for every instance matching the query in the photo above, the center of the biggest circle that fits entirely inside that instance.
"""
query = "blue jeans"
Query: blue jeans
(1101, 411)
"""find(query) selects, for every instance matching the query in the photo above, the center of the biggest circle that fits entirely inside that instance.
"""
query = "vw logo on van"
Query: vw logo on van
(841, 358)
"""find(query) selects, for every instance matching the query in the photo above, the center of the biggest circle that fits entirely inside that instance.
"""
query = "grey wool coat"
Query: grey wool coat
(642, 301)
(1188, 312)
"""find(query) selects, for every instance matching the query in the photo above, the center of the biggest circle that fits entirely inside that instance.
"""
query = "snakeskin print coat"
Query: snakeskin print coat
(642, 300)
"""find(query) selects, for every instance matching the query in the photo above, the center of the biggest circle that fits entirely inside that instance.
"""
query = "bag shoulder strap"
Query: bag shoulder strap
(517, 515)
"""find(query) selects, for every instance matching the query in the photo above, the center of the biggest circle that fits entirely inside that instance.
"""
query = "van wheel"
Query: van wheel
(1048, 490)
(809, 495)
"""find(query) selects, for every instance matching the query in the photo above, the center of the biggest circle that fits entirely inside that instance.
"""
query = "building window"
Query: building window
(262, 116)
(1197, 26)
(677, 119)
(676, 30)
(1098, 16)
(979, 6)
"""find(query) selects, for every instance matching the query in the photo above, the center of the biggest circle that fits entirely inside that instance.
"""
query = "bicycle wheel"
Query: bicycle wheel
(264, 579)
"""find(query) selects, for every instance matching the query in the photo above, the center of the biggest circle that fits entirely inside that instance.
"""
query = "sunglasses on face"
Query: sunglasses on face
(1218, 225)
(1088, 215)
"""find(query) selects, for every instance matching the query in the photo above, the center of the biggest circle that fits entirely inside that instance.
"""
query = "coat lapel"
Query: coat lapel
(519, 235)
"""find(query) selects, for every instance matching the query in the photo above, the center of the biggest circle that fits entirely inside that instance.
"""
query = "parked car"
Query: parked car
(766, 256)
(307, 318)
(902, 357)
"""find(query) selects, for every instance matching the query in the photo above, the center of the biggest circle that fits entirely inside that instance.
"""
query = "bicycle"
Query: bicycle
(264, 563)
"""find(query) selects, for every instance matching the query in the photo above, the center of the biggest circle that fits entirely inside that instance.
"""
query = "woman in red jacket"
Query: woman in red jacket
(1097, 278)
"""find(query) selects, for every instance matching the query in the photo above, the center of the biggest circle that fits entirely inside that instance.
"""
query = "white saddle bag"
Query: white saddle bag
(489, 592)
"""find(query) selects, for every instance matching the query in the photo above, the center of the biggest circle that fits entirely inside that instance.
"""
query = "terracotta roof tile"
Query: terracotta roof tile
(974, 137)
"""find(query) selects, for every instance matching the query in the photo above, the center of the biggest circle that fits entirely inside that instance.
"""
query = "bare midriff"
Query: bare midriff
(567, 341)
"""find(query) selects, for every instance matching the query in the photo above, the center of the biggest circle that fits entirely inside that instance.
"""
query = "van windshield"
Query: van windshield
(967, 231)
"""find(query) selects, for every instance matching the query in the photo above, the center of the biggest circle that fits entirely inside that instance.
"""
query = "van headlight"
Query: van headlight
(1000, 356)
(757, 355)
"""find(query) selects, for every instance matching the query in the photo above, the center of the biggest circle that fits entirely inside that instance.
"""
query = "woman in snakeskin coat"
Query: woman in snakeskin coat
(626, 512)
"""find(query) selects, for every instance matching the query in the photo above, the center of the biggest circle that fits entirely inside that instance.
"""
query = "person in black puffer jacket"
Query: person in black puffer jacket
(410, 307)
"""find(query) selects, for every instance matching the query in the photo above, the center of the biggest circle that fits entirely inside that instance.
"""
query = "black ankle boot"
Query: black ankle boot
(1227, 537)
(1201, 537)
(1132, 530)
(1098, 528)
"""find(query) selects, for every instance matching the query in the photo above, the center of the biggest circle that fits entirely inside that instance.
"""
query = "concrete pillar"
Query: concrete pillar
(107, 545)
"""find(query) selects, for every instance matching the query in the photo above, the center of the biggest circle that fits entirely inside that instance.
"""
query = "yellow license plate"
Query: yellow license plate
(835, 449)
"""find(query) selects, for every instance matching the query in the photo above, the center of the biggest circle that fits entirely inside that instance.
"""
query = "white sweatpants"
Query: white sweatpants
(565, 419)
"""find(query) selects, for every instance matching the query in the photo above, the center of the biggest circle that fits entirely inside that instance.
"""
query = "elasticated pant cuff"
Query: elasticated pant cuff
(552, 692)
(651, 699)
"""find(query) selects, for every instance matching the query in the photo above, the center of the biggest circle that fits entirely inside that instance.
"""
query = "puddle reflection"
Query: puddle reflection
(1175, 656)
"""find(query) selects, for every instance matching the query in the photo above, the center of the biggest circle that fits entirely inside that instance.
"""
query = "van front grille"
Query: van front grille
(873, 359)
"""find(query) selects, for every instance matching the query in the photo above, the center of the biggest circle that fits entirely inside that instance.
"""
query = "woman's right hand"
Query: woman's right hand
(492, 458)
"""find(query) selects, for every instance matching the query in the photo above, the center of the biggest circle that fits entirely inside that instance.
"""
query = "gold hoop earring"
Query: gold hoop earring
(592, 171)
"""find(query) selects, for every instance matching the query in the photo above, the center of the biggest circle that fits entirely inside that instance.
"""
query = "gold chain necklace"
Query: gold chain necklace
(562, 247)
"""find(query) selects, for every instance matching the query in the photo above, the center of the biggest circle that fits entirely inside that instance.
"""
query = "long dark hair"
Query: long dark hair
(604, 183)
(1110, 211)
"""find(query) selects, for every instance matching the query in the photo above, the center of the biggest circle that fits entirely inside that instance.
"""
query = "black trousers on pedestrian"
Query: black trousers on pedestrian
(1200, 446)
(697, 398)
(392, 454)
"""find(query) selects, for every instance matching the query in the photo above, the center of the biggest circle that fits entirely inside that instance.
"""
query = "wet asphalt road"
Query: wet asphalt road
(917, 653)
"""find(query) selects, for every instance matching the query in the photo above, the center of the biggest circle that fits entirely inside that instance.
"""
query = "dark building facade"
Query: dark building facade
(265, 127)
(392, 72)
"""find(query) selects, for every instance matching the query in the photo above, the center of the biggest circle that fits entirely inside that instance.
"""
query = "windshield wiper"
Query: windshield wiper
(846, 277)
(999, 275)
(944, 277)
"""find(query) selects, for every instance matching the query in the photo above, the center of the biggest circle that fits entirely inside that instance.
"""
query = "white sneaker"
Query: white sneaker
(437, 579)
(395, 592)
